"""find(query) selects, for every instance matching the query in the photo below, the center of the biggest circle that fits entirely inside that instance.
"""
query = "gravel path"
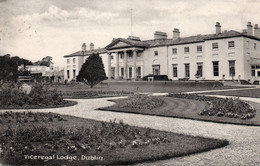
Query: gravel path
(244, 148)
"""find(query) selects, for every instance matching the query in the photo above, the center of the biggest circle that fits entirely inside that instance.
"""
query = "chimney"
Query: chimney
(218, 28)
(84, 47)
(257, 31)
(249, 29)
(160, 35)
(176, 34)
(91, 46)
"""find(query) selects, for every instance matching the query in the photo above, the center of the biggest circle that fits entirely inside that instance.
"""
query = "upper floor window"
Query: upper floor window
(68, 60)
(186, 49)
(174, 51)
(231, 44)
(112, 56)
(121, 56)
(247, 44)
(74, 60)
(155, 53)
(130, 55)
(199, 48)
(214, 46)
(255, 46)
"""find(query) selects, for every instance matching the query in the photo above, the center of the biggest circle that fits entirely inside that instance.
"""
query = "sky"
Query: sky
(34, 29)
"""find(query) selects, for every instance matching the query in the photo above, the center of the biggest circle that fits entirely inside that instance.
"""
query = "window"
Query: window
(68, 74)
(175, 70)
(156, 69)
(186, 50)
(74, 74)
(232, 68)
(199, 48)
(174, 51)
(253, 68)
(215, 69)
(112, 56)
(155, 53)
(130, 72)
(130, 55)
(122, 72)
(247, 44)
(74, 66)
(231, 44)
(254, 46)
(68, 61)
(74, 60)
(187, 70)
(214, 46)
(200, 69)
(121, 56)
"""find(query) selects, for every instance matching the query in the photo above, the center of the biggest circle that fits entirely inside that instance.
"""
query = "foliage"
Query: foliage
(12, 96)
(229, 107)
(140, 101)
(18, 141)
(46, 61)
(9, 67)
(92, 71)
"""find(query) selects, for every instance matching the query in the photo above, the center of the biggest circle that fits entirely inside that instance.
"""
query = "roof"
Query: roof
(130, 42)
(88, 52)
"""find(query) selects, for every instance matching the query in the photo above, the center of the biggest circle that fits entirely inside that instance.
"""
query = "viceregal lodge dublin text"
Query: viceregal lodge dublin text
(221, 55)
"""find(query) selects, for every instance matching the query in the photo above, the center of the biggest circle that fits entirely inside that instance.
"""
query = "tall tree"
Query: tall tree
(92, 71)
(46, 61)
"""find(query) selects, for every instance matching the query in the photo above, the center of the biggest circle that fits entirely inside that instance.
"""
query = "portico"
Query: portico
(124, 60)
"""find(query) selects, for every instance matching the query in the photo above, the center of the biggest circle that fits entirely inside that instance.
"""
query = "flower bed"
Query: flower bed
(229, 107)
(12, 96)
(140, 101)
(52, 137)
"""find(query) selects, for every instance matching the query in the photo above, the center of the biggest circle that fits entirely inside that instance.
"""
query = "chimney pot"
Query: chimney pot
(160, 35)
(256, 31)
(249, 29)
(91, 46)
(176, 34)
(84, 47)
(218, 28)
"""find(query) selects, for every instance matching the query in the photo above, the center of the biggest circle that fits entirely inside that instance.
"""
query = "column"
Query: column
(117, 66)
(109, 65)
(125, 65)
(134, 58)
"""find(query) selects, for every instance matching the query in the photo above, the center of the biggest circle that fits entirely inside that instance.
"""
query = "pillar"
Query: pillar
(109, 65)
(134, 58)
(117, 66)
(125, 65)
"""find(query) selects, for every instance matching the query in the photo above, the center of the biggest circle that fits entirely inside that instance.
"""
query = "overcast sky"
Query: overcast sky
(34, 29)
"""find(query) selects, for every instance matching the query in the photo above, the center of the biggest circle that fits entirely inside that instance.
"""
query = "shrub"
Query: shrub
(156, 77)
(12, 96)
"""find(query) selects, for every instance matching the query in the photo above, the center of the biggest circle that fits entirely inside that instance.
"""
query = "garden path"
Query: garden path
(244, 140)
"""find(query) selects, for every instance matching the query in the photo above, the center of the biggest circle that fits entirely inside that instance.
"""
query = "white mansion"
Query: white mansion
(229, 54)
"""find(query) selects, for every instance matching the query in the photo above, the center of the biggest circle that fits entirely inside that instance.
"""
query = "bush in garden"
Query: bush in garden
(143, 102)
(12, 96)
(229, 107)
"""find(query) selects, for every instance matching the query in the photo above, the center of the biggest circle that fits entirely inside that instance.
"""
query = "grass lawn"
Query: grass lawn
(241, 93)
(183, 108)
(62, 137)
(140, 86)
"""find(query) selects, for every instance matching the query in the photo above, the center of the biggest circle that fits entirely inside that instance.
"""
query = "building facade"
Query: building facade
(228, 55)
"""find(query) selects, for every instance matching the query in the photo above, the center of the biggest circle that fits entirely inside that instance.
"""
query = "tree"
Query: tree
(9, 67)
(46, 61)
(92, 71)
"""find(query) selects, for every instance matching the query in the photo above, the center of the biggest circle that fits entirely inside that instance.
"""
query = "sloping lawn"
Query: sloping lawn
(183, 108)
(52, 139)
